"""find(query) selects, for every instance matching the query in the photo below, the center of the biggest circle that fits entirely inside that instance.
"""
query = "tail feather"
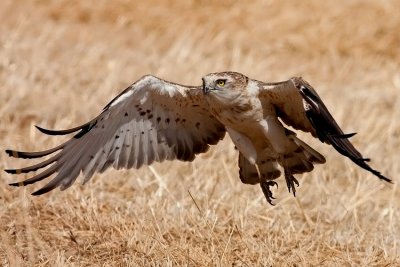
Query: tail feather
(311, 154)
(303, 158)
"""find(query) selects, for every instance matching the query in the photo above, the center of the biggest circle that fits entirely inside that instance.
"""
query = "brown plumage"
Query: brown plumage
(155, 120)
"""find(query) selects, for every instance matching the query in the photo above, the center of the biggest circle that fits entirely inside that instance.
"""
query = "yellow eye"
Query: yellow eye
(220, 83)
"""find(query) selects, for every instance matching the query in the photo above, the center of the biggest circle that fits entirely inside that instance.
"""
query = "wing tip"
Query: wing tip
(13, 171)
(18, 184)
(63, 132)
(41, 191)
(384, 178)
(36, 193)
(343, 136)
(12, 153)
(45, 131)
(373, 171)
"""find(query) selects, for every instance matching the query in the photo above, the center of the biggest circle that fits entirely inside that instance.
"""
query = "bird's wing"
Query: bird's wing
(299, 106)
(152, 120)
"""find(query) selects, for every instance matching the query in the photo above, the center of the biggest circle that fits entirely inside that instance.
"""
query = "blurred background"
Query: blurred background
(62, 61)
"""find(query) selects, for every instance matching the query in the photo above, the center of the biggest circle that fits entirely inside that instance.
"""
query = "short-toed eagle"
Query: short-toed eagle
(155, 120)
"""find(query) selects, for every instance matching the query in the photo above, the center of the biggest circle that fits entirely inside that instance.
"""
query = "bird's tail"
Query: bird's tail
(302, 159)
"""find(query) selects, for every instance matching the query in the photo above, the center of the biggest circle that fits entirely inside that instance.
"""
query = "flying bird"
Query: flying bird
(156, 120)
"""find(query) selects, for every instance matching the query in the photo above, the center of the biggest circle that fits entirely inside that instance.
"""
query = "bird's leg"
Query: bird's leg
(265, 187)
(290, 181)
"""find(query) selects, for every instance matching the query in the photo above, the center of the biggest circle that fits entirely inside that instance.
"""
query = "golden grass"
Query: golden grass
(62, 61)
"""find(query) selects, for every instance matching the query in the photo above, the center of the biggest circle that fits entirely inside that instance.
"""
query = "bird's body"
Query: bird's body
(251, 121)
(155, 120)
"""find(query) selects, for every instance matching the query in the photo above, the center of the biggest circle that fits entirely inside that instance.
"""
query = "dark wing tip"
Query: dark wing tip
(49, 132)
(380, 176)
(41, 191)
(360, 161)
(12, 171)
(62, 132)
(36, 193)
(384, 178)
(17, 184)
(12, 153)
(343, 136)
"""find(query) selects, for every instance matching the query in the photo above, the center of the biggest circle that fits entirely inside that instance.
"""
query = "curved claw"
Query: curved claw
(272, 183)
(265, 187)
(291, 181)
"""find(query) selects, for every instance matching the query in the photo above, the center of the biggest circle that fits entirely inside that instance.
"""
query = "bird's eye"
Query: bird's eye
(221, 82)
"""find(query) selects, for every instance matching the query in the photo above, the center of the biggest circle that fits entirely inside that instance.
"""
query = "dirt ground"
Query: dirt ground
(62, 61)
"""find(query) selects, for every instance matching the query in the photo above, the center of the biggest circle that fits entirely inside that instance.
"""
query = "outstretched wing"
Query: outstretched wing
(299, 106)
(152, 120)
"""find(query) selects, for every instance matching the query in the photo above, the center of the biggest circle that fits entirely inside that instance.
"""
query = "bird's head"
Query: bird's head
(224, 85)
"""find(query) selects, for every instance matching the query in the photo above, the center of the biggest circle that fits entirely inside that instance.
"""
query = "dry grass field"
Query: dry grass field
(61, 61)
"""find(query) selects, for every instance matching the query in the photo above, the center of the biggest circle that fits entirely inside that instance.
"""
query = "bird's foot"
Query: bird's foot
(265, 187)
(290, 182)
